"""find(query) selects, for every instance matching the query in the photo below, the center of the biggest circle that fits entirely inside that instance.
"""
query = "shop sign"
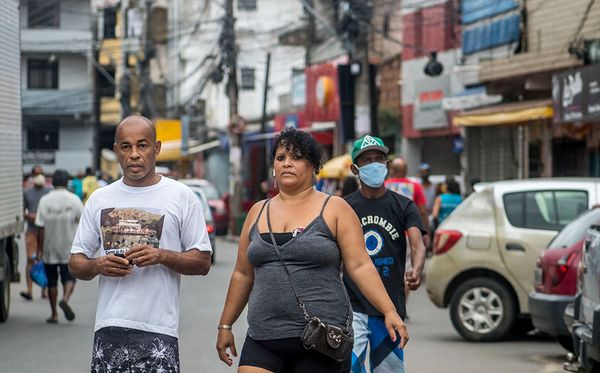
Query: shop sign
(39, 157)
(429, 94)
(576, 95)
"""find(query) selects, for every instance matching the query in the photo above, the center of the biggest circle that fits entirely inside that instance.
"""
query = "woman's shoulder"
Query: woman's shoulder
(256, 207)
(335, 204)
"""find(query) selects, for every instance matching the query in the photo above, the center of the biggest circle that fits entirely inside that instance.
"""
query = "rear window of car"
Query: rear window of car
(576, 230)
(210, 191)
(544, 209)
(205, 207)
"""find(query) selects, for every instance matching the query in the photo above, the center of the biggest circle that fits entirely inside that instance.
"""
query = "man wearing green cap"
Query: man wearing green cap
(387, 218)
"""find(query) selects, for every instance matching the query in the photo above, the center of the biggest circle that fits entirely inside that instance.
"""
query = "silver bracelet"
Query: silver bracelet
(224, 326)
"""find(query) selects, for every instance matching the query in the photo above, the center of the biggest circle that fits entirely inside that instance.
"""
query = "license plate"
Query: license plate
(537, 276)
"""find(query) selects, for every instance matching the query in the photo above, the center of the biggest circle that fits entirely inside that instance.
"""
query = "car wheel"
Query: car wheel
(566, 341)
(482, 309)
(5, 290)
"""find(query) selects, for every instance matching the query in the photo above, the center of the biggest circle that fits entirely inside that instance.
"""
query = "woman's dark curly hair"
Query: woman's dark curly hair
(301, 143)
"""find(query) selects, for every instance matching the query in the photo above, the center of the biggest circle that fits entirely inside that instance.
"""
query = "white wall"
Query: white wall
(256, 33)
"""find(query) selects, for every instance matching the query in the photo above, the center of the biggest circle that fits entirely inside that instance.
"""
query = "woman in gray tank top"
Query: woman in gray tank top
(315, 235)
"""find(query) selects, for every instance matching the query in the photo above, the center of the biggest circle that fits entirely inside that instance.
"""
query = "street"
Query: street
(28, 344)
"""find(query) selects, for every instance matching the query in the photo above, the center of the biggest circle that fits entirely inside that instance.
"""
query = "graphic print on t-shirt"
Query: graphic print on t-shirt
(373, 242)
(405, 189)
(123, 228)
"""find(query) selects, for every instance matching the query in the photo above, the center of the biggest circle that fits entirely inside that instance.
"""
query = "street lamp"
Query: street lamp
(433, 66)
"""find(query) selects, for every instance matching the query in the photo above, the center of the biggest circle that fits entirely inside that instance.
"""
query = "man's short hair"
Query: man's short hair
(60, 178)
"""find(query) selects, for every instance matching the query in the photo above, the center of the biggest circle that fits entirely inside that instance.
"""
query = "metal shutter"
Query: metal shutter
(11, 197)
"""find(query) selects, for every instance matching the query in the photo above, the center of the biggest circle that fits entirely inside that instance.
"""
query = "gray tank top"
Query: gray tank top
(314, 262)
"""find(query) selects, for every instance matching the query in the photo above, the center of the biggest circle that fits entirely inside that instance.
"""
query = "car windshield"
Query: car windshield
(576, 230)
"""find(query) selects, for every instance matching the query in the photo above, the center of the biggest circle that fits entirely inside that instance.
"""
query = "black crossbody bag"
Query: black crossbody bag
(330, 340)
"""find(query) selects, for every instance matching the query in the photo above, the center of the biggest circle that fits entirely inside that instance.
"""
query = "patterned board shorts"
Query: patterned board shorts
(132, 351)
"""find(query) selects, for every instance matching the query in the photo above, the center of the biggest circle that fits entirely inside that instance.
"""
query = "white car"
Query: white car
(485, 251)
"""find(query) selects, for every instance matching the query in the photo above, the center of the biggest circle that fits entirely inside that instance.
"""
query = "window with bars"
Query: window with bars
(42, 74)
(246, 4)
(248, 78)
(43, 13)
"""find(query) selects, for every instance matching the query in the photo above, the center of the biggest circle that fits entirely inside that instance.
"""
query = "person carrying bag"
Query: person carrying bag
(314, 235)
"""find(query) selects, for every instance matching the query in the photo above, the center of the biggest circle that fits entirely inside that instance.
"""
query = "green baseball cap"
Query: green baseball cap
(368, 142)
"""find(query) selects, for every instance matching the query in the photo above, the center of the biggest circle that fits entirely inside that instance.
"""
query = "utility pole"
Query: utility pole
(310, 32)
(236, 127)
(362, 11)
(124, 81)
(147, 105)
(263, 123)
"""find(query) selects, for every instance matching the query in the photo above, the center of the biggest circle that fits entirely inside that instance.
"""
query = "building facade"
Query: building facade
(57, 83)
(514, 50)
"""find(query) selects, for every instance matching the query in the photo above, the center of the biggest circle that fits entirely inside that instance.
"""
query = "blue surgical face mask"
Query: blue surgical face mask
(373, 174)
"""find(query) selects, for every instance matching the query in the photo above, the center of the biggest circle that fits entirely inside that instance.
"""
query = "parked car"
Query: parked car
(586, 310)
(555, 279)
(485, 251)
(215, 200)
(208, 218)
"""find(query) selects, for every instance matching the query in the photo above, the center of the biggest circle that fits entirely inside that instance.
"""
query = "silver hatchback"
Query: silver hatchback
(485, 251)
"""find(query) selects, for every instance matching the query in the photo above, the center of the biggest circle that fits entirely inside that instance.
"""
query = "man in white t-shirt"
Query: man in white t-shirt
(139, 234)
(57, 217)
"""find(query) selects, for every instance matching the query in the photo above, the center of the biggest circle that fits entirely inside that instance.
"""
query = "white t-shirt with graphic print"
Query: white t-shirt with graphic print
(166, 215)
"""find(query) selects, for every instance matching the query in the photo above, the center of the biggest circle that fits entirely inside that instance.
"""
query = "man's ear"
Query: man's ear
(158, 145)
(354, 169)
(115, 147)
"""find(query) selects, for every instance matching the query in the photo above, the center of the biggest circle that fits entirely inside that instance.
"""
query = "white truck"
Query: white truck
(11, 189)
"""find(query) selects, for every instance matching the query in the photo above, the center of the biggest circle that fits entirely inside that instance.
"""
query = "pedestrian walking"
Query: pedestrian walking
(148, 230)
(57, 219)
(77, 184)
(399, 183)
(31, 200)
(446, 202)
(428, 187)
(89, 183)
(288, 270)
(386, 218)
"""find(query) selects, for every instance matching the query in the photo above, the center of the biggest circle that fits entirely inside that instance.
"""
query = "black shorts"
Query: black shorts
(52, 274)
(288, 355)
(119, 350)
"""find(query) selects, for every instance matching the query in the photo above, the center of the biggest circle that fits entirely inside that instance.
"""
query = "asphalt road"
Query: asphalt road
(28, 344)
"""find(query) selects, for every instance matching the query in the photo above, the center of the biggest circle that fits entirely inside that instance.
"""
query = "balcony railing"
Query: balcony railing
(56, 41)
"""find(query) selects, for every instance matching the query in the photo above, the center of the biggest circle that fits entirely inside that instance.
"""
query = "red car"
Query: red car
(215, 201)
(556, 277)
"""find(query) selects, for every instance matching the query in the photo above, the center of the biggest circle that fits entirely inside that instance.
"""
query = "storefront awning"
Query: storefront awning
(503, 114)
(315, 127)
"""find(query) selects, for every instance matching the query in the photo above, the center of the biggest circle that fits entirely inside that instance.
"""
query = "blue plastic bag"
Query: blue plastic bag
(38, 274)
